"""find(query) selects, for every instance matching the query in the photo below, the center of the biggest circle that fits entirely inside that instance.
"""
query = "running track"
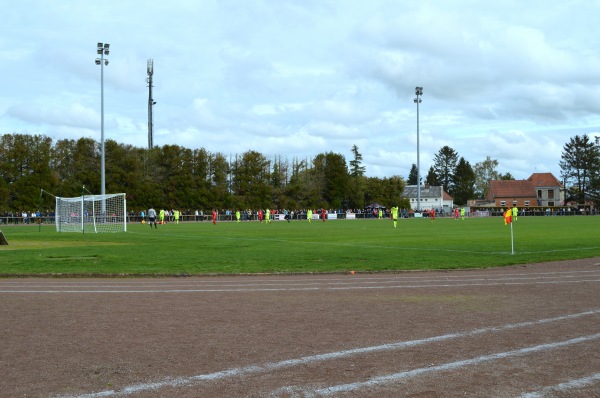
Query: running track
(527, 331)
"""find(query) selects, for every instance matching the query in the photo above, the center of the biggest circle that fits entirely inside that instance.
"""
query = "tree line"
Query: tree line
(174, 177)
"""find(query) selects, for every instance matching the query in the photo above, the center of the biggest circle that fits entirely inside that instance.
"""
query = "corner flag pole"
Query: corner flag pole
(512, 242)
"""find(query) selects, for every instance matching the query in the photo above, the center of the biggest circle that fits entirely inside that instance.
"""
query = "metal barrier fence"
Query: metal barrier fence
(50, 220)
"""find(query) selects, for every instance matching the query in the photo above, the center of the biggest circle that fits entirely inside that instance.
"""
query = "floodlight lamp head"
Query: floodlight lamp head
(105, 62)
(100, 46)
(97, 61)
(106, 46)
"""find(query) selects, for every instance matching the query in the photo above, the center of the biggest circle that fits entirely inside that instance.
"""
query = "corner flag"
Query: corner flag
(508, 216)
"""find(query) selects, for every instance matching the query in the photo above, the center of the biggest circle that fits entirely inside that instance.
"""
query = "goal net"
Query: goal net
(92, 213)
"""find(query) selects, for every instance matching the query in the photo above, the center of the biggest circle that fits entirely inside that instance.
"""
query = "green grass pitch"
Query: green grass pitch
(299, 246)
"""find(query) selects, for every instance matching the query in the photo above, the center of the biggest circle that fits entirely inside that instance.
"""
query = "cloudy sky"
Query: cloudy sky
(511, 80)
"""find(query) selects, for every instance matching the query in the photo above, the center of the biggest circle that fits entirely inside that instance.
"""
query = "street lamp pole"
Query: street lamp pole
(418, 93)
(103, 49)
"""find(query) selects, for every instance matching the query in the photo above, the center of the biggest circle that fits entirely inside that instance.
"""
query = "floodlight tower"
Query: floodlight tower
(418, 93)
(151, 104)
(102, 50)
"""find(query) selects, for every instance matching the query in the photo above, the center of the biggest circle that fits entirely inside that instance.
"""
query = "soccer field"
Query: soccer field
(299, 246)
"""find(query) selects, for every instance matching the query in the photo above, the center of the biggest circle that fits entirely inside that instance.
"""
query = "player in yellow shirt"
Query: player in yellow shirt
(395, 215)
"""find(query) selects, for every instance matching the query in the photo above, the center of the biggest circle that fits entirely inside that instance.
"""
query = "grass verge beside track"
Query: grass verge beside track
(297, 247)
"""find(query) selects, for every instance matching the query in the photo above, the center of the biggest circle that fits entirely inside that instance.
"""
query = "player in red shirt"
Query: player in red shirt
(260, 215)
(324, 214)
(214, 217)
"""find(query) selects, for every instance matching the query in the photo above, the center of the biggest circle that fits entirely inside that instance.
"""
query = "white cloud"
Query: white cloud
(505, 80)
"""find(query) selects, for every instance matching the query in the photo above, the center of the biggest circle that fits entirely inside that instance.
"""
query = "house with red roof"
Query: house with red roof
(540, 189)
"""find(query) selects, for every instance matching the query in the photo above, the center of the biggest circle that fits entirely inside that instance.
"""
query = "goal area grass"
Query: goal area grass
(250, 247)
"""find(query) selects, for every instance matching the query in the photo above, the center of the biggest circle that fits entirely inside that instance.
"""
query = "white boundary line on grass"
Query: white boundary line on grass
(355, 245)
(273, 366)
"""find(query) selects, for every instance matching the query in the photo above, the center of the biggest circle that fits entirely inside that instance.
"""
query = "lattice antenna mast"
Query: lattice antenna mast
(151, 103)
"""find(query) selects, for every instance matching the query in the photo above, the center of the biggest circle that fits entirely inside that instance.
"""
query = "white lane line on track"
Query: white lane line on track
(392, 378)
(293, 289)
(291, 283)
(274, 366)
(562, 387)
(383, 277)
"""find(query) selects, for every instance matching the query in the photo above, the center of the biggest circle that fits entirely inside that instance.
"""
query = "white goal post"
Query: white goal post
(92, 213)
